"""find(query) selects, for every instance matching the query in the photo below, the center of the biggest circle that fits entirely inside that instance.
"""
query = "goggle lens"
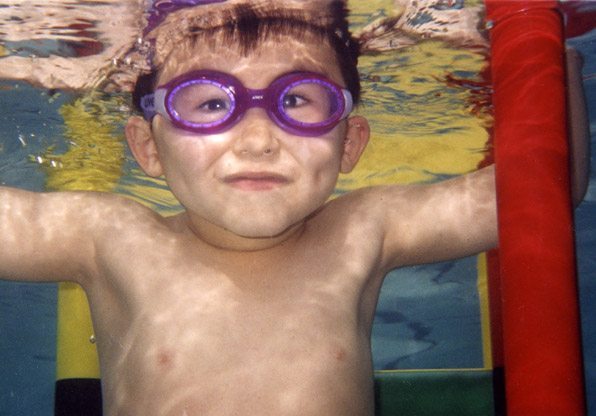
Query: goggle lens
(308, 102)
(202, 103)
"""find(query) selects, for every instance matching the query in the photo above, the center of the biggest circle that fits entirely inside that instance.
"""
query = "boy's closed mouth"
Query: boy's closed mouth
(256, 181)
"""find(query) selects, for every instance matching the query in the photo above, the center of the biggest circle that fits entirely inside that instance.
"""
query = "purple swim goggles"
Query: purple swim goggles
(210, 102)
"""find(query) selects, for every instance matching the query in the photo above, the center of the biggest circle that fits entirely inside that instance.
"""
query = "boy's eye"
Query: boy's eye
(214, 105)
(293, 101)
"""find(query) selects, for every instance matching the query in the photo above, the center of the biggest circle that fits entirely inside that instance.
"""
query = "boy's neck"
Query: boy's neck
(223, 239)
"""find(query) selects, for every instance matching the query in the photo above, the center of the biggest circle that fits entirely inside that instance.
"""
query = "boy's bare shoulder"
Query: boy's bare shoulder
(424, 223)
(58, 232)
(104, 209)
(99, 217)
(370, 203)
(114, 213)
(357, 217)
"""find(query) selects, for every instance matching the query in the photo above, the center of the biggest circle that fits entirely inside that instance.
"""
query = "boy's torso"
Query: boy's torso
(186, 328)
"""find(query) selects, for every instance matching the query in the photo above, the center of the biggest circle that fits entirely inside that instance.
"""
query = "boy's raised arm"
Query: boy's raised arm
(43, 237)
(447, 220)
(458, 217)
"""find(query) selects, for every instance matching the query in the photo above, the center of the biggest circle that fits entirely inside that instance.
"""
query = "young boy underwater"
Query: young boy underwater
(259, 298)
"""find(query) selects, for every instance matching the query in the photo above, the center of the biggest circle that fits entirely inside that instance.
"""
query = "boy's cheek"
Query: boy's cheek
(186, 151)
(320, 150)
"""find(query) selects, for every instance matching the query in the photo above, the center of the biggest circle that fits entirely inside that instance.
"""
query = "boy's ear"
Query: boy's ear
(142, 144)
(355, 142)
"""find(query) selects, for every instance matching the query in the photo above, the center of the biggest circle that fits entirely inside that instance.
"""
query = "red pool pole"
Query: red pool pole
(541, 334)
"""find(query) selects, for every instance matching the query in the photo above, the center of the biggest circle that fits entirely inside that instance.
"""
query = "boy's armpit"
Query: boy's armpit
(442, 221)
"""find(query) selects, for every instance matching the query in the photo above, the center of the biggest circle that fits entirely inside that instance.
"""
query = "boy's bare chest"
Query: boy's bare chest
(181, 279)
(292, 326)
(235, 300)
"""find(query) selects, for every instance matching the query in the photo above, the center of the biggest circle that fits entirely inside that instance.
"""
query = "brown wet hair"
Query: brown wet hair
(246, 29)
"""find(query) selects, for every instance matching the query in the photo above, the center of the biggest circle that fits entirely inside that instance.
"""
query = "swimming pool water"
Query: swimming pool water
(585, 226)
(428, 315)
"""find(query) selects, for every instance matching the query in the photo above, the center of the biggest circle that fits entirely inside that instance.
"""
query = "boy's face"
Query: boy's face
(255, 180)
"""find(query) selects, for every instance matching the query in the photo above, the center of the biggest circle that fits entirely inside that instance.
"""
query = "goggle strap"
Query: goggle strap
(154, 103)
(148, 106)
(160, 102)
(349, 103)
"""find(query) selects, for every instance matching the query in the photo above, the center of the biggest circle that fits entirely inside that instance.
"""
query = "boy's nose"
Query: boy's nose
(256, 138)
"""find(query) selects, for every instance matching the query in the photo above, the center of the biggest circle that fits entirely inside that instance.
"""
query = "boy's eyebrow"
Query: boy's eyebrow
(319, 69)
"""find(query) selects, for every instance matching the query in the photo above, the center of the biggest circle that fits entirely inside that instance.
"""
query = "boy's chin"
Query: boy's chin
(262, 231)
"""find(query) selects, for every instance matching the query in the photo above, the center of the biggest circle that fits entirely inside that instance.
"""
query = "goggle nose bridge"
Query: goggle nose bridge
(257, 98)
